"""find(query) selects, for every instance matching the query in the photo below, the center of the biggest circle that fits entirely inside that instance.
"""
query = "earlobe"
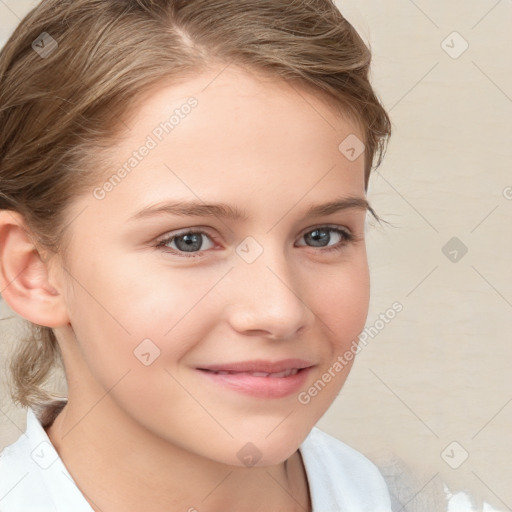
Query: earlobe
(24, 283)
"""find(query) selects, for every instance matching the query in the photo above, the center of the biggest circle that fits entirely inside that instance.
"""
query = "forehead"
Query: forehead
(234, 103)
(234, 136)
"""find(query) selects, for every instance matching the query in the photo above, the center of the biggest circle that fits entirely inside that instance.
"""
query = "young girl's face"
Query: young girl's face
(162, 298)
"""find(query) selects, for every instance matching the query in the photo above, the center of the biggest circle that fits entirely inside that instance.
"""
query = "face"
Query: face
(214, 327)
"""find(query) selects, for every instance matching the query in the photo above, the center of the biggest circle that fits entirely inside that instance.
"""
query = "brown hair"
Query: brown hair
(58, 109)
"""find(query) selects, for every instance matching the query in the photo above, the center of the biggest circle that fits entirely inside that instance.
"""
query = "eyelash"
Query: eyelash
(347, 238)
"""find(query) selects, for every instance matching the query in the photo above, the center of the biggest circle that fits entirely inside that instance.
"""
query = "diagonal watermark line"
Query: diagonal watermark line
(424, 279)
(485, 218)
(492, 286)
(205, 294)
(486, 14)
(492, 419)
(501, 499)
(416, 494)
(23, 433)
(301, 198)
(216, 487)
(216, 76)
(97, 402)
(287, 492)
(7, 7)
(64, 100)
(410, 204)
(403, 403)
(11, 281)
(216, 216)
(97, 302)
(301, 300)
(312, 106)
(424, 13)
(280, 423)
(74, 218)
(414, 86)
(200, 404)
(393, 496)
(5, 495)
(65, 226)
(492, 81)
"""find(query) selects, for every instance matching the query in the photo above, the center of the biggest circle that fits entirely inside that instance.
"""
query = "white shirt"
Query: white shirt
(34, 478)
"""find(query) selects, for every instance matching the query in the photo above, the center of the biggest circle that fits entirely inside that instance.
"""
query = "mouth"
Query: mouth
(262, 379)
(277, 375)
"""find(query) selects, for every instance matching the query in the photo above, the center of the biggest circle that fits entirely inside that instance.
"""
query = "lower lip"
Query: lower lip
(261, 387)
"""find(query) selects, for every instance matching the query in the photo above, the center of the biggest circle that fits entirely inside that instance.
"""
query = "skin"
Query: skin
(271, 150)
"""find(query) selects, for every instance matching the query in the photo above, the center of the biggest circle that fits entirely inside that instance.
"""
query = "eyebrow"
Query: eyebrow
(222, 210)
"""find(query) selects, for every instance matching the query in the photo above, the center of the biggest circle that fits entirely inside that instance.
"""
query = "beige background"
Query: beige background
(440, 371)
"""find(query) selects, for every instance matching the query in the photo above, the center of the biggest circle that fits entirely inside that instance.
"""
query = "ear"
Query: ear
(24, 282)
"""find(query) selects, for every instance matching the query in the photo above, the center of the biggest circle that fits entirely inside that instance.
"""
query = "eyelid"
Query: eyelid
(170, 235)
(204, 231)
(320, 226)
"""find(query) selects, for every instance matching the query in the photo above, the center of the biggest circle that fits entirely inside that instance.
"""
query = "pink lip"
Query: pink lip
(241, 380)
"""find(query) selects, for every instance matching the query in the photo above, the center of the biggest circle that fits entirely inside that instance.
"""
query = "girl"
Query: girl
(182, 224)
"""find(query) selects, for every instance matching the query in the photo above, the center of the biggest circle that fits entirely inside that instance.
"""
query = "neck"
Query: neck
(150, 473)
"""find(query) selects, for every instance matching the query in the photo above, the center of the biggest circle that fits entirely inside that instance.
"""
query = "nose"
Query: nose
(267, 298)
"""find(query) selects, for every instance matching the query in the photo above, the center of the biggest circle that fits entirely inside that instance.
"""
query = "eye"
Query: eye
(322, 236)
(191, 241)
(185, 242)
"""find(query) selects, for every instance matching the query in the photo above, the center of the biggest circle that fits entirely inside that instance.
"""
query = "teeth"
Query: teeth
(285, 373)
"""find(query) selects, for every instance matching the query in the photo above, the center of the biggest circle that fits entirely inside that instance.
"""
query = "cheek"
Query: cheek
(341, 300)
(128, 316)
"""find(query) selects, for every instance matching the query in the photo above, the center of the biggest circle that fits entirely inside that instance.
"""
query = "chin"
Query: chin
(269, 449)
(251, 455)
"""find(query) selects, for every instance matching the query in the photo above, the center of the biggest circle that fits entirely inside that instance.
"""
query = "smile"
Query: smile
(260, 379)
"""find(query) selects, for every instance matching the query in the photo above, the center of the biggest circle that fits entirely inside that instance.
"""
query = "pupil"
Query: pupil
(192, 242)
(318, 234)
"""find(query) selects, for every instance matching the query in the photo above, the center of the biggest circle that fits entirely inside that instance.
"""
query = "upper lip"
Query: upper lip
(259, 366)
